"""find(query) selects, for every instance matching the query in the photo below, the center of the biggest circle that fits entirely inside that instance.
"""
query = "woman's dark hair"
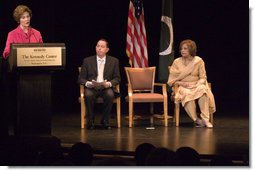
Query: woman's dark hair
(191, 46)
(19, 11)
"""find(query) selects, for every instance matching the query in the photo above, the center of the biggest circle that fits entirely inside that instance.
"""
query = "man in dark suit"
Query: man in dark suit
(100, 74)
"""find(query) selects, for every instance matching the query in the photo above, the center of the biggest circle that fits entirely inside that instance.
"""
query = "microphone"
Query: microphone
(32, 32)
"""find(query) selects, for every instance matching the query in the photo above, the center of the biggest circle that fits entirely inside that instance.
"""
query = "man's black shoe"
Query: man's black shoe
(105, 124)
(106, 127)
(90, 125)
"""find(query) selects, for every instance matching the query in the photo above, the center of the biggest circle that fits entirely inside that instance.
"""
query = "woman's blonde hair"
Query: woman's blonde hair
(191, 46)
(19, 11)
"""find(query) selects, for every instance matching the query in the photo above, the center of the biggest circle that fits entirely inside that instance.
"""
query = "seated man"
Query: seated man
(99, 74)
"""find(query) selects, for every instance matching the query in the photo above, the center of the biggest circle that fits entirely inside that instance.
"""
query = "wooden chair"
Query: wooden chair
(117, 100)
(177, 106)
(141, 90)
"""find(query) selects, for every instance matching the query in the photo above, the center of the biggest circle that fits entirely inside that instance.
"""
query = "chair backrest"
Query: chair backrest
(141, 79)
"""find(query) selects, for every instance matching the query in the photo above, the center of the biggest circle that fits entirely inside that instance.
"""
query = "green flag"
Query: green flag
(166, 41)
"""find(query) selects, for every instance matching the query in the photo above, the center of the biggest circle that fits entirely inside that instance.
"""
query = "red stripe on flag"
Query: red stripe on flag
(136, 44)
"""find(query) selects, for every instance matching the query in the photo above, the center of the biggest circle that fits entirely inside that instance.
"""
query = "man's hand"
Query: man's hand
(90, 84)
(106, 84)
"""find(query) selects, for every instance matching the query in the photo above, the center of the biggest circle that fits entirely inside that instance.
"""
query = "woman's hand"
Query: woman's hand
(180, 83)
(185, 84)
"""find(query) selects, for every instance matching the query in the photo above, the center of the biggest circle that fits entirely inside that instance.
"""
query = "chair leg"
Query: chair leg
(118, 108)
(151, 113)
(130, 114)
(83, 113)
(176, 113)
(165, 106)
(211, 118)
(151, 108)
(174, 117)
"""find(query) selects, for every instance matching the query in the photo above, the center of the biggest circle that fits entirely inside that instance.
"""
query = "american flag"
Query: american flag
(136, 46)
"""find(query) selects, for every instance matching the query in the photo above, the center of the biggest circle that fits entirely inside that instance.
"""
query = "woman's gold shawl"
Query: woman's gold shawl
(180, 73)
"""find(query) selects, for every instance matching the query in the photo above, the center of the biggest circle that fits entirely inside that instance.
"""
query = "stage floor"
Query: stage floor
(230, 135)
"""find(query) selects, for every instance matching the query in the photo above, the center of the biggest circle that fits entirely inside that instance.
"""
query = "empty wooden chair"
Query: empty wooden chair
(141, 90)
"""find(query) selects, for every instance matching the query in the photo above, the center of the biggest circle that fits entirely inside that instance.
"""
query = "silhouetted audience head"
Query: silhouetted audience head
(221, 161)
(21, 154)
(187, 156)
(142, 152)
(113, 161)
(62, 162)
(161, 157)
(81, 154)
(50, 153)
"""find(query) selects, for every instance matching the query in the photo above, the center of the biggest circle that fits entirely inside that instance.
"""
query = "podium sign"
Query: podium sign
(40, 56)
(33, 65)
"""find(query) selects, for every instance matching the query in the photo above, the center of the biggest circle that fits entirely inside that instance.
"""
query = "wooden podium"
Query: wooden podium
(33, 65)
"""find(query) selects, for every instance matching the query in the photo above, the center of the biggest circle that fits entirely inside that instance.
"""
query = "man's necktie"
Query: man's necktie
(100, 71)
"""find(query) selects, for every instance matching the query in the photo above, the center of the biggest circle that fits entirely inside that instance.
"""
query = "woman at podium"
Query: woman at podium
(24, 33)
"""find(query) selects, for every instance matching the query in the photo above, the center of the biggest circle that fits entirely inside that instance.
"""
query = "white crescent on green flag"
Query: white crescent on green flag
(166, 41)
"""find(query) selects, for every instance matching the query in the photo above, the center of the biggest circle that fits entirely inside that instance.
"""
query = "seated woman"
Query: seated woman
(188, 72)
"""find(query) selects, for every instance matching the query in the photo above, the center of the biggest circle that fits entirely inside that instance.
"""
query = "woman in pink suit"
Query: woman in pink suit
(24, 33)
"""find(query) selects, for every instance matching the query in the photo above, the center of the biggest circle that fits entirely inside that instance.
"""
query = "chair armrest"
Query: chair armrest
(82, 91)
(174, 89)
(118, 88)
(164, 88)
(130, 92)
(81, 87)
(159, 84)
(210, 85)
